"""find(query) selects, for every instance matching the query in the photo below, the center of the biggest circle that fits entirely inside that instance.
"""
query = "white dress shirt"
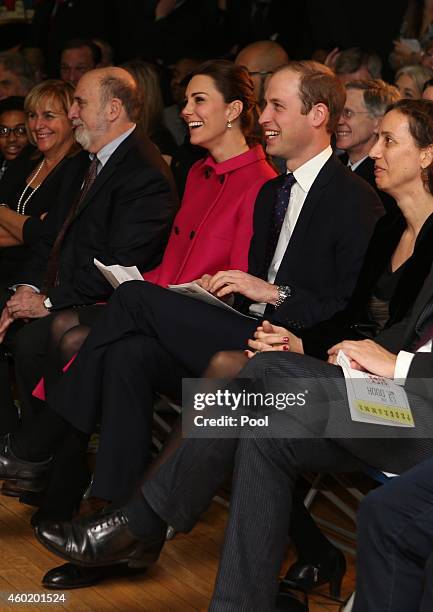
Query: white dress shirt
(305, 176)
(353, 166)
(404, 360)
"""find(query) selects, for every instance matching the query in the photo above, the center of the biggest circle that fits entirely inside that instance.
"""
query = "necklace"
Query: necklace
(21, 207)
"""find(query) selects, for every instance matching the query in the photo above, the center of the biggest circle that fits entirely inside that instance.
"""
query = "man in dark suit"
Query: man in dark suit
(320, 436)
(366, 102)
(303, 267)
(121, 214)
(300, 272)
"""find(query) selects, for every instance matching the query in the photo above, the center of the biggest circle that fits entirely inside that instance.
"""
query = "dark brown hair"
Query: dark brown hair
(234, 83)
(318, 84)
(419, 114)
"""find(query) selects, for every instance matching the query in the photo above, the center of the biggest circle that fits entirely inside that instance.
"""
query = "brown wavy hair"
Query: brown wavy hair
(234, 83)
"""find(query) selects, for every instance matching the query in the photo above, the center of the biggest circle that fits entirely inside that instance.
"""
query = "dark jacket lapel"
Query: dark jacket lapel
(422, 310)
(107, 171)
(296, 244)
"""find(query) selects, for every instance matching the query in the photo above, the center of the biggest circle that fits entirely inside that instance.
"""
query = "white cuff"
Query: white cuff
(15, 287)
(402, 365)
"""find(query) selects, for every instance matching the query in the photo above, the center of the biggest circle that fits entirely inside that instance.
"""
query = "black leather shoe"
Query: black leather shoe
(54, 515)
(17, 488)
(14, 468)
(100, 539)
(71, 576)
(30, 498)
(307, 577)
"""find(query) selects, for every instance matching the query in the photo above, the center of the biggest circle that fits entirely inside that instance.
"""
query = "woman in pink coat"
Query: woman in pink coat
(213, 227)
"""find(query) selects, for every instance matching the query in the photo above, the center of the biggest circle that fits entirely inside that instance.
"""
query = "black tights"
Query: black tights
(67, 335)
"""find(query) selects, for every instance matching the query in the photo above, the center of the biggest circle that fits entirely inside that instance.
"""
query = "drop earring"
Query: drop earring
(229, 124)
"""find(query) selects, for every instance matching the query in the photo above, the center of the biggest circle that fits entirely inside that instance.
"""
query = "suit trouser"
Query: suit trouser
(265, 473)
(8, 411)
(145, 341)
(28, 344)
(395, 540)
(427, 600)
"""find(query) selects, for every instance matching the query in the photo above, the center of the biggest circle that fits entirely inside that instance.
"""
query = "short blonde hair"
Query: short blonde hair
(52, 89)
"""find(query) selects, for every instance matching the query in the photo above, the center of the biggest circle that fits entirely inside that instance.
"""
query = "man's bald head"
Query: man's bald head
(106, 104)
(262, 56)
(115, 82)
(261, 59)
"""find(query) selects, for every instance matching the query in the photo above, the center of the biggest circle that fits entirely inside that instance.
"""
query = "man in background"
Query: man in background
(78, 57)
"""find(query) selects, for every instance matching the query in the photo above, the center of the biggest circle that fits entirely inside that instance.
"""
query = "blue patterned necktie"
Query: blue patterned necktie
(280, 208)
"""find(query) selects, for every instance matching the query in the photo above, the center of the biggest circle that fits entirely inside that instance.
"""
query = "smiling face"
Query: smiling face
(206, 113)
(287, 130)
(12, 142)
(398, 159)
(89, 115)
(49, 126)
(356, 128)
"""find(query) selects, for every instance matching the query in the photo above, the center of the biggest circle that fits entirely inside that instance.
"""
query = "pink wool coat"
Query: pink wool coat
(213, 228)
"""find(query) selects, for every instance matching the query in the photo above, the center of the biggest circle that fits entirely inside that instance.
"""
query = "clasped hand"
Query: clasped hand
(269, 337)
(24, 304)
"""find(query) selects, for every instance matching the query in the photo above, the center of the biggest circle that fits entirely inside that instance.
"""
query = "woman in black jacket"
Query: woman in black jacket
(30, 183)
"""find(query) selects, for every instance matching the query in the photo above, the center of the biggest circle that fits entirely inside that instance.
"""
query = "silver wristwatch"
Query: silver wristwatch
(284, 292)
(47, 303)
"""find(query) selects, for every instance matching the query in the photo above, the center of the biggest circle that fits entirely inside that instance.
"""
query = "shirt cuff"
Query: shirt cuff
(402, 365)
(15, 287)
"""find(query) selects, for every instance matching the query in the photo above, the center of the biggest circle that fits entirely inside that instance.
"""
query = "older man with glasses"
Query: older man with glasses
(366, 101)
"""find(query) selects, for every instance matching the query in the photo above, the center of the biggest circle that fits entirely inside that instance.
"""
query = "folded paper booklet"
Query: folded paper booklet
(195, 291)
(375, 399)
(116, 275)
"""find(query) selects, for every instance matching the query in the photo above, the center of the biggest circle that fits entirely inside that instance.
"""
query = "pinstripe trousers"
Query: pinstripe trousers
(265, 472)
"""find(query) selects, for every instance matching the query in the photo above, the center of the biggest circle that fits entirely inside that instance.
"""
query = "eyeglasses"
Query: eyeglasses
(348, 114)
(19, 131)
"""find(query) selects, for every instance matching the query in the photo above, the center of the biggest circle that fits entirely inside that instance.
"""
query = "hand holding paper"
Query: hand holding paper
(367, 356)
